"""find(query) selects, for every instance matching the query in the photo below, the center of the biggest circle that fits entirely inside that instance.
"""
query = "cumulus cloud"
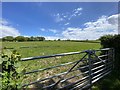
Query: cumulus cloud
(113, 19)
(7, 30)
(93, 30)
(71, 33)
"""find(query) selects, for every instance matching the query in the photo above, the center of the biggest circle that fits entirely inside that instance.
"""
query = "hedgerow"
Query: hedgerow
(112, 41)
(111, 81)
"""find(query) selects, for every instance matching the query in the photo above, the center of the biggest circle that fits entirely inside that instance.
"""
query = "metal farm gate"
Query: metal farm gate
(92, 66)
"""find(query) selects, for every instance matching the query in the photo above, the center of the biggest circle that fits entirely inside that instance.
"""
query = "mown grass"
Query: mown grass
(30, 49)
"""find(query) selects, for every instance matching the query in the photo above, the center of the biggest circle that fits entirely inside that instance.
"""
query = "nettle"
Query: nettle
(12, 72)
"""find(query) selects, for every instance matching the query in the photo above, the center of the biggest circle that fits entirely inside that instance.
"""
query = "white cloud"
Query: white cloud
(75, 12)
(93, 30)
(51, 37)
(72, 33)
(113, 19)
(66, 24)
(3, 22)
(53, 30)
(42, 29)
(7, 30)
(67, 15)
(58, 18)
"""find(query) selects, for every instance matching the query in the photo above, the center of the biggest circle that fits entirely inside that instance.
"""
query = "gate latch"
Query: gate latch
(91, 52)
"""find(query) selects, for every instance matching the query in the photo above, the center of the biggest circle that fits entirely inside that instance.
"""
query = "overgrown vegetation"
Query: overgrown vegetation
(111, 82)
(12, 72)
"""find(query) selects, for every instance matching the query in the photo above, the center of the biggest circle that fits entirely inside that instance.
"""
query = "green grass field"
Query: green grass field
(48, 48)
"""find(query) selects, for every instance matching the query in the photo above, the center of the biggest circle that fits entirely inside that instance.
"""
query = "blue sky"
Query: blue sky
(64, 20)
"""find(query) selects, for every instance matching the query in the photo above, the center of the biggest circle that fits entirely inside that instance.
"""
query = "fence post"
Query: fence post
(90, 52)
(111, 56)
(113, 53)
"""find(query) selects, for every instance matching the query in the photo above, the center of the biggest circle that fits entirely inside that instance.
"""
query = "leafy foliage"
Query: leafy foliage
(112, 81)
(110, 41)
(22, 38)
(8, 38)
(12, 73)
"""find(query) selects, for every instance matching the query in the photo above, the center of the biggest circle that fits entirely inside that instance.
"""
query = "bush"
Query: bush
(110, 41)
(12, 73)
(111, 81)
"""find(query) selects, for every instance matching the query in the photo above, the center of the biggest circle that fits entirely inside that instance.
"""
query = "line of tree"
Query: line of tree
(22, 38)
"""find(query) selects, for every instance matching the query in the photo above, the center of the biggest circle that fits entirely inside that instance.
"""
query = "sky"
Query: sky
(59, 20)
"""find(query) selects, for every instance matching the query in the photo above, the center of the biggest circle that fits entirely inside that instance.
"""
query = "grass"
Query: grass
(110, 82)
(49, 47)
(30, 49)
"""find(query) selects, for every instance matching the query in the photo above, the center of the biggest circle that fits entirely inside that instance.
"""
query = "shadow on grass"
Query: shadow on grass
(64, 85)
(110, 82)
(39, 86)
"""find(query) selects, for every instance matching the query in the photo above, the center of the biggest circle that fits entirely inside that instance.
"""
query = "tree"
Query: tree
(27, 38)
(40, 38)
(68, 40)
(8, 38)
(31, 38)
(20, 38)
(58, 39)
